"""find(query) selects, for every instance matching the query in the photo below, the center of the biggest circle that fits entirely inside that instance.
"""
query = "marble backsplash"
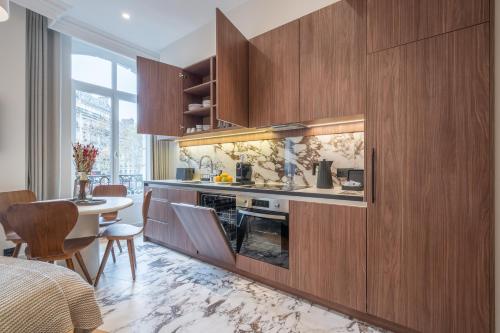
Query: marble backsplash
(272, 160)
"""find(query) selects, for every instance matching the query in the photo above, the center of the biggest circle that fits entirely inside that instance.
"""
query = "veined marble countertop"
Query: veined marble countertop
(335, 196)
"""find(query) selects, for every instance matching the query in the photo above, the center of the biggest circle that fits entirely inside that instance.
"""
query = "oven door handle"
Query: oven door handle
(265, 216)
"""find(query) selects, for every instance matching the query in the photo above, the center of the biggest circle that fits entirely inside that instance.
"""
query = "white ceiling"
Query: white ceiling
(154, 24)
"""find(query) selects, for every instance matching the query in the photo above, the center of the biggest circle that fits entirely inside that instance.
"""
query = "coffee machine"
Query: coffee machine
(244, 172)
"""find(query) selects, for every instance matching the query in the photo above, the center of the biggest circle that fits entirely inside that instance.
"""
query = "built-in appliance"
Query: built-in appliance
(255, 227)
(225, 208)
(262, 229)
(276, 186)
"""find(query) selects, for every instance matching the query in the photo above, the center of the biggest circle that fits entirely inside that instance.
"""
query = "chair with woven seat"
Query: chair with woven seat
(125, 232)
(44, 226)
(6, 200)
(107, 219)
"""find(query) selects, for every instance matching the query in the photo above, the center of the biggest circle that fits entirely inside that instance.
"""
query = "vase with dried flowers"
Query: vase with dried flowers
(84, 157)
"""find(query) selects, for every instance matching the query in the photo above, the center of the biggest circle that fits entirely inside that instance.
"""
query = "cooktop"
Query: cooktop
(276, 187)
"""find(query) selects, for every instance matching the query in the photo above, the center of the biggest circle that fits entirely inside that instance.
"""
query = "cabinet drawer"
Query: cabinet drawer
(158, 230)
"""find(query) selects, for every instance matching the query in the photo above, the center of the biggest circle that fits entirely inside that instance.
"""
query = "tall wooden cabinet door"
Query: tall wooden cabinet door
(159, 98)
(429, 217)
(232, 72)
(328, 252)
(274, 76)
(333, 61)
(397, 22)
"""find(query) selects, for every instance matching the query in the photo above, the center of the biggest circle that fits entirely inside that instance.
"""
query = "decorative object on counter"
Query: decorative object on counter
(184, 173)
(84, 157)
(324, 178)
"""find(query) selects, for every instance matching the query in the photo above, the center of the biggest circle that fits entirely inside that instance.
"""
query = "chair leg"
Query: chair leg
(113, 255)
(109, 246)
(17, 249)
(69, 264)
(133, 251)
(79, 258)
(119, 246)
(131, 257)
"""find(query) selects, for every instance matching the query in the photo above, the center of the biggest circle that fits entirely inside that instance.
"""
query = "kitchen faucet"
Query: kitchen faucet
(211, 175)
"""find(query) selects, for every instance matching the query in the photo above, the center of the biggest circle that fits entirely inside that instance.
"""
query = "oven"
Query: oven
(262, 229)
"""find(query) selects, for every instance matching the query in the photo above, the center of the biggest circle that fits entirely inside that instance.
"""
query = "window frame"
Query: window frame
(114, 94)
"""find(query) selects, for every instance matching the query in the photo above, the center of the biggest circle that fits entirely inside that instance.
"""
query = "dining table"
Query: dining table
(88, 225)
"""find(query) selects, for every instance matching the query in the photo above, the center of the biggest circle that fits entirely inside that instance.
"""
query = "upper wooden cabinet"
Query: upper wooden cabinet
(159, 98)
(397, 22)
(430, 215)
(328, 252)
(333, 61)
(232, 72)
(274, 76)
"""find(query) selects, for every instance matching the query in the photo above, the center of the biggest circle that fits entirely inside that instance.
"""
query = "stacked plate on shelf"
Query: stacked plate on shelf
(192, 107)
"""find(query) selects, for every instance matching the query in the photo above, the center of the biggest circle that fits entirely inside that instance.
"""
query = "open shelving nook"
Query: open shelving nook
(199, 84)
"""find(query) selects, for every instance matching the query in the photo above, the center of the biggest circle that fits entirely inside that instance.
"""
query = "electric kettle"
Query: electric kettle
(324, 178)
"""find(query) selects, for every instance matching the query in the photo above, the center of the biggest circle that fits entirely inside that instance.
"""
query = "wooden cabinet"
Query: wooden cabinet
(163, 224)
(232, 72)
(328, 252)
(274, 77)
(333, 61)
(159, 98)
(430, 218)
(397, 22)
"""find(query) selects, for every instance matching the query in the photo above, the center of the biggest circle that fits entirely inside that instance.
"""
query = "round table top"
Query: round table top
(112, 204)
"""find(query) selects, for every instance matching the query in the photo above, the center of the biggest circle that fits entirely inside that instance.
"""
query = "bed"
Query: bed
(41, 297)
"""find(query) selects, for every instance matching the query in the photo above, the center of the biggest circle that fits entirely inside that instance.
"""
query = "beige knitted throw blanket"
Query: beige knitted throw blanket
(42, 297)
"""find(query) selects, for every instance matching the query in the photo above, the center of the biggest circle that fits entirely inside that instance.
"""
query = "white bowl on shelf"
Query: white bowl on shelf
(192, 107)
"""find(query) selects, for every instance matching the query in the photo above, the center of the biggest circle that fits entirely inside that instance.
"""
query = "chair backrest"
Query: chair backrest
(145, 207)
(9, 198)
(44, 225)
(110, 191)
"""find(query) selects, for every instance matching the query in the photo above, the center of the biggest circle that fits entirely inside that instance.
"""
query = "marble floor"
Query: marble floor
(175, 293)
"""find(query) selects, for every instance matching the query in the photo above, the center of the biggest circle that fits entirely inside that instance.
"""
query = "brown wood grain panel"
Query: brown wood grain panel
(333, 61)
(159, 98)
(328, 252)
(274, 76)
(429, 227)
(205, 231)
(166, 226)
(396, 22)
(232, 72)
(263, 269)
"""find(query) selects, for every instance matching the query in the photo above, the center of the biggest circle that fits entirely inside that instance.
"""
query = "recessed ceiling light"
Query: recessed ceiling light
(126, 16)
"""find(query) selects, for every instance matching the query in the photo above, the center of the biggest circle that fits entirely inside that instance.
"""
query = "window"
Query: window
(105, 114)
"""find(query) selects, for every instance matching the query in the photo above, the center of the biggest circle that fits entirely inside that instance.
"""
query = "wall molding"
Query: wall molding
(56, 11)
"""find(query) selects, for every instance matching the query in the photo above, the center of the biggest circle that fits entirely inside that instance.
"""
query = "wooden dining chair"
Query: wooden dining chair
(126, 232)
(44, 226)
(6, 200)
(107, 219)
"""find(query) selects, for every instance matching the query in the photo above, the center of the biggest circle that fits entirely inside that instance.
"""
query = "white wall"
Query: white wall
(251, 18)
(12, 104)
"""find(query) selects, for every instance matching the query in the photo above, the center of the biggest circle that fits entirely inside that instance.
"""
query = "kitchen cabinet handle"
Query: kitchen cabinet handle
(373, 175)
(265, 216)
